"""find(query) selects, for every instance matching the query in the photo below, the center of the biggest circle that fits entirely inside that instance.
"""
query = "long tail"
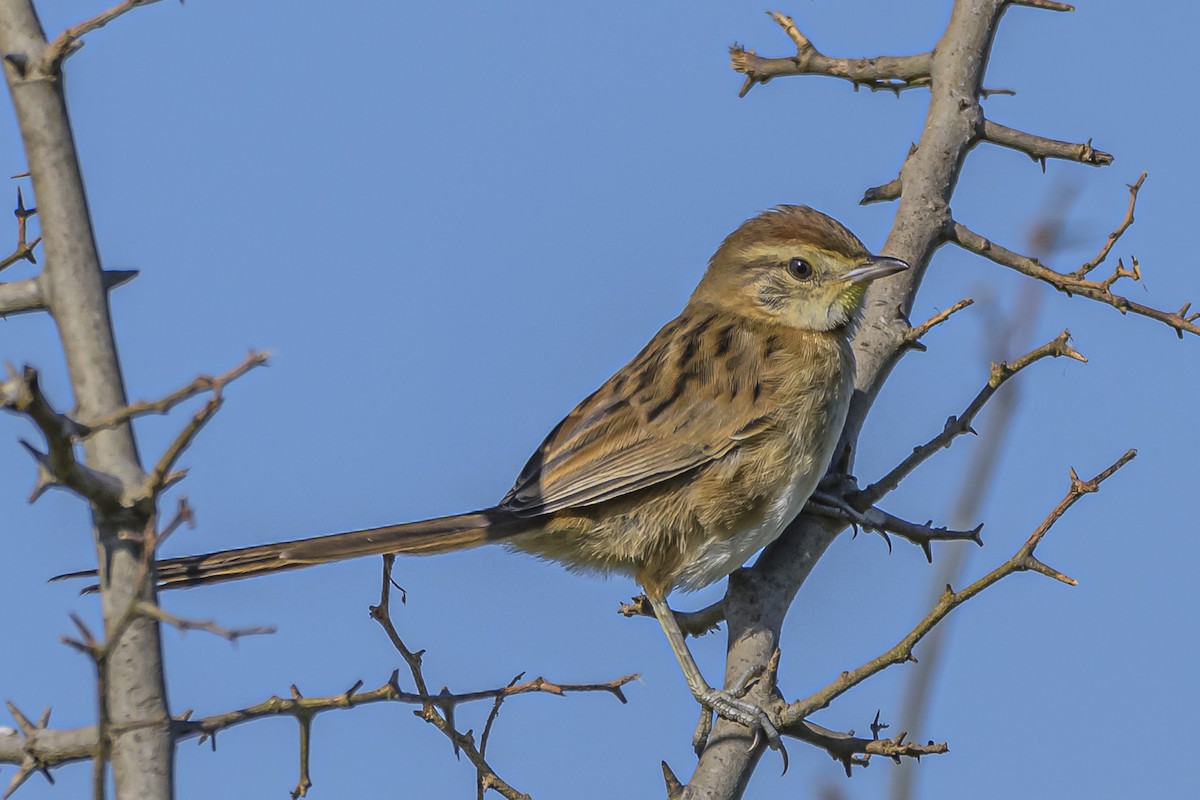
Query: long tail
(427, 537)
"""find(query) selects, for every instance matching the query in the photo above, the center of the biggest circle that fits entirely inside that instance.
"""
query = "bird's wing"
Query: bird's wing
(687, 399)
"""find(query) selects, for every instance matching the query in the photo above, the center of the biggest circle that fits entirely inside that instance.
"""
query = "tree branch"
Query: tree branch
(957, 426)
(692, 623)
(1074, 283)
(854, 751)
(891, 73)
(134, 693)
(24, 296)
(1039, 148)
(758, 599)
(1023, 560)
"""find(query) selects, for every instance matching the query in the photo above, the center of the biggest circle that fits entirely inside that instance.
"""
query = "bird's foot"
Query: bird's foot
(739, 710)
(834, 505)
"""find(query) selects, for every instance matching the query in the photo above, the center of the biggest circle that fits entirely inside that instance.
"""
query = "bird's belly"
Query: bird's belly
(718, 556)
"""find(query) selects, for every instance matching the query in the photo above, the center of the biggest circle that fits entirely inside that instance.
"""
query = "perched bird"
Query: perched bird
(687, 461)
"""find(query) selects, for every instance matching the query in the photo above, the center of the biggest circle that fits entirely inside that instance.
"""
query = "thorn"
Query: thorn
(674, 787)
(20, 63)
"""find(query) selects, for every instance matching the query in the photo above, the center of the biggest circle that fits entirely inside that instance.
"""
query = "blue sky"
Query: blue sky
(448, 225)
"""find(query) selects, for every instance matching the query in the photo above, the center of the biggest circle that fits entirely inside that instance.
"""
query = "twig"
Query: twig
(1072, 283)
(161, 476)
(881, 522)
(202, 384)
(692, 623)
(68, 42)
(855, 751)
(890, 190)
(889, 73)
(913, 335)
(22, 393)
(1023, 560)
(182, 624)
(1040, 148)
(24, 249)
(1117, 233)
(957, 426)
(1048, 5)
(438, 710)
(30, 761)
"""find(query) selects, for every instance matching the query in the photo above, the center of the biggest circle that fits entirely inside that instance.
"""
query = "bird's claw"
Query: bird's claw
(703, 729)
(745, 713)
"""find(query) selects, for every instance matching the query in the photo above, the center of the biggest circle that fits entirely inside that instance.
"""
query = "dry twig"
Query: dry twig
(692, 623)
(1023, 560)
(1074, 283)
(957, 426)
(890, 73)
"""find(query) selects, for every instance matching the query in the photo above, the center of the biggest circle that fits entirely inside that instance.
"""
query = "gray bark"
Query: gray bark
(73, 290)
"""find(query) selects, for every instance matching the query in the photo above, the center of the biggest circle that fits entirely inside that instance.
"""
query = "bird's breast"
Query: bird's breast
(771, 479)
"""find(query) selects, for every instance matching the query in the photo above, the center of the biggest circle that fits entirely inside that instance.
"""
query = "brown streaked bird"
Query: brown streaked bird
(689, 459)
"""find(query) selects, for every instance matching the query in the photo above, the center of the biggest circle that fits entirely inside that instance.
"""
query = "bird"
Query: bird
(688, 460)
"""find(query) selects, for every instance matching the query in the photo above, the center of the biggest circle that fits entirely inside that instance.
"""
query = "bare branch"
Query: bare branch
(1048, 5)
(692, 623)
(880, 521)
(138, 743)
(161, 476)
(890, 73)
(1023, 560)
(890, 190)
(22, 394)
(1117, 233)
(69, 41)
(438, 710)
(203, 383)
(24, 296)
(957, 426)
(24, 249)
(1039, 148)
(882, 193)
(913, 335)
(185, 625)
(1071, 283)
(854, 751)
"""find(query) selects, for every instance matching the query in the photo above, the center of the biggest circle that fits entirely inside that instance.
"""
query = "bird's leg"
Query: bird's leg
(724, 703)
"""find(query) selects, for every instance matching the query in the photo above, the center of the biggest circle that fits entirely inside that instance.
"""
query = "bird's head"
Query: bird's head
(793, 266)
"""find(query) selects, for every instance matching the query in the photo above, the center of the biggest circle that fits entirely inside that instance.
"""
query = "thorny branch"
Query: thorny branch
(438, 710)
(1075, 283)
(891, 73)
(21, 393)
(692, 623)
(69, 41)
(914, 335)
(24, 248)
(161, 475)
(957, 426)
(203, 383)
(1023, 560)
(759, 597)
(1040, 148)
(1117, 233)
(856, 751)
(43, 749)
(28, 295)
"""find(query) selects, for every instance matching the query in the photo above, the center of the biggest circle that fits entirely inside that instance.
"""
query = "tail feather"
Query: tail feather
(427, 537)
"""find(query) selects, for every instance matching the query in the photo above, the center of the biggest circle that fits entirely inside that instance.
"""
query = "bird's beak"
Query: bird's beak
(876, 267)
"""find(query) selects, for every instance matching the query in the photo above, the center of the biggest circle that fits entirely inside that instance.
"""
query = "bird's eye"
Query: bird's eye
(800, 269)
